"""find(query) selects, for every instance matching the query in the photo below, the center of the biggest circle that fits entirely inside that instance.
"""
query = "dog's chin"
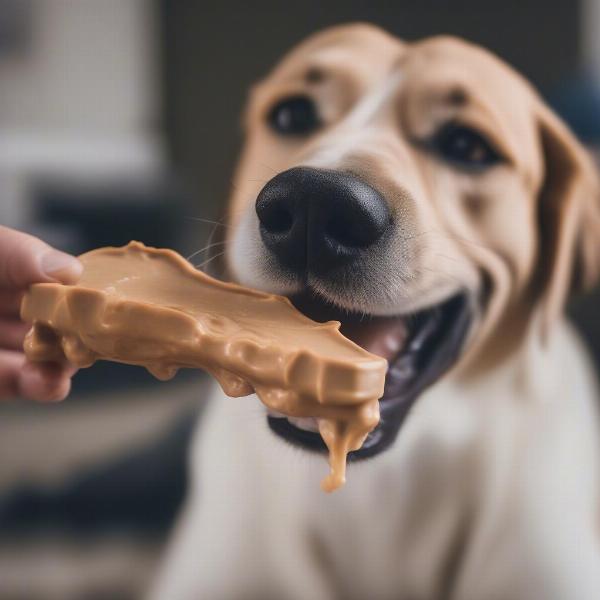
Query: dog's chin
(419, 347)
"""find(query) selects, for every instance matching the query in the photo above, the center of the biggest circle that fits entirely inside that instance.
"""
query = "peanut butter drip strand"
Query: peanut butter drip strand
(342, 437)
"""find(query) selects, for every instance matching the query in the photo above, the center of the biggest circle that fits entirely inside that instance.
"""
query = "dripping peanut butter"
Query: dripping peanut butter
(150, 307)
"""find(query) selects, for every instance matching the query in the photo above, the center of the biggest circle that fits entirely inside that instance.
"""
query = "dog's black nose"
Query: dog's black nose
(317, 220)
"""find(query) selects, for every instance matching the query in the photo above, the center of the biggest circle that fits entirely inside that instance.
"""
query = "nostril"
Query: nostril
(273, 211)
(276, 220)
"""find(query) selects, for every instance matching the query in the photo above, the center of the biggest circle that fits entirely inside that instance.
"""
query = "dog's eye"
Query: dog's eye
(464, 147)
(296, 115)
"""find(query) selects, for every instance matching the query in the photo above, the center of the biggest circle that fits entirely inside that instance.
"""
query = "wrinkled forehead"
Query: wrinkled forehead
(362, 52)
(371, 53)
(466, 70)
(435, 72)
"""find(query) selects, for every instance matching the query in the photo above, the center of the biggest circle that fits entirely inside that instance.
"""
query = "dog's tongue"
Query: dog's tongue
(383, 336)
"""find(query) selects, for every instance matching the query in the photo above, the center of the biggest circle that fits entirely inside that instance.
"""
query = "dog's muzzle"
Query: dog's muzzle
(323, 225)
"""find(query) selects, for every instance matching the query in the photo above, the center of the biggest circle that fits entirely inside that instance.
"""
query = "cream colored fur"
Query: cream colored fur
(491, 491)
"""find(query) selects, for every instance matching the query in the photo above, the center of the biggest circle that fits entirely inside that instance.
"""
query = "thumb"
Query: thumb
(25, 259)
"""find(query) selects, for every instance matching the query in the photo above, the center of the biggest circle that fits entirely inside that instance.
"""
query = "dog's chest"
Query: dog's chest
(399, 525)
(386, 531)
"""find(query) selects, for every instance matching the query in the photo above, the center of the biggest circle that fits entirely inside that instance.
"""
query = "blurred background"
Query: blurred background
(120, 120)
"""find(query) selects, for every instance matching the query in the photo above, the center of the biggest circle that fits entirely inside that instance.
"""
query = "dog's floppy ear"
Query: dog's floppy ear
(569, 216)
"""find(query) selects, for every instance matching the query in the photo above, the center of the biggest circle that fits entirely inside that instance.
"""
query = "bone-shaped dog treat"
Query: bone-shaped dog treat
(150, 307)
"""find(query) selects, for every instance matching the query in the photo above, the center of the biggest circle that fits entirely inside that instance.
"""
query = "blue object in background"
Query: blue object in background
(577, 101)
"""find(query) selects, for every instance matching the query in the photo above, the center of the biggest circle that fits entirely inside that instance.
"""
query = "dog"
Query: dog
(422, 187)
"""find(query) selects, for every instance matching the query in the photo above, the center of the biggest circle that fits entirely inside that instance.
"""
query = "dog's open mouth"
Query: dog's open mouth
(419, 348)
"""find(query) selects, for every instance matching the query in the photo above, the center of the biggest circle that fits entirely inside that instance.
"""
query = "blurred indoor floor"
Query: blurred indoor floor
(87, 495)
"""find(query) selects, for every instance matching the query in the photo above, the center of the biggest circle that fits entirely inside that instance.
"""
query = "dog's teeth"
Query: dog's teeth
(275, 414)
(306, 423)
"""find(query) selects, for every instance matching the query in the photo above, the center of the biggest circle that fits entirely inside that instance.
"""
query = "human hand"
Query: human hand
(24, 260)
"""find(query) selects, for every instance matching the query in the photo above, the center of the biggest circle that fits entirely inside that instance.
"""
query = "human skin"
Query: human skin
(25, 260)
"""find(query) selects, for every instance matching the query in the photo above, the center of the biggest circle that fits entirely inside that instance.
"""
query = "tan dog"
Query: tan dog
(426, 197)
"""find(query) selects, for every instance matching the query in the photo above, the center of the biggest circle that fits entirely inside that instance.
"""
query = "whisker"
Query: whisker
(209, 221)
(454, 258)
(462, 240)
(442, 273)
(204, 249)
(268, 167)
(407, 238)
(449, 236)
(209, 241)
(202, 264)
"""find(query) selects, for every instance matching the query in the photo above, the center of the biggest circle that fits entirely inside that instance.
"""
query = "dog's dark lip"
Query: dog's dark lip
(435, 337)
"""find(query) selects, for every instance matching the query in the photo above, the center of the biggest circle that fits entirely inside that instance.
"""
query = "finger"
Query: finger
(65, 367)
(12, 333)
(37, 381)
(11, 364)
(44, 382)
(25, 259)
(10, 302)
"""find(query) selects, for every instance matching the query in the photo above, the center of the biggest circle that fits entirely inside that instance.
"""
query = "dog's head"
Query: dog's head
(421, 194)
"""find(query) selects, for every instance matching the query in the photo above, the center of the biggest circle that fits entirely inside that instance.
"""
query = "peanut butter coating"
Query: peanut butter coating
(150, 307)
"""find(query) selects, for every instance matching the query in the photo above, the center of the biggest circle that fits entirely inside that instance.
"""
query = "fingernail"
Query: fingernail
(61, 266)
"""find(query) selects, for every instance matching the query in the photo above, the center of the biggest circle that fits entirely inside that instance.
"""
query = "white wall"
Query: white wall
(91, 68)
(83, 100)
